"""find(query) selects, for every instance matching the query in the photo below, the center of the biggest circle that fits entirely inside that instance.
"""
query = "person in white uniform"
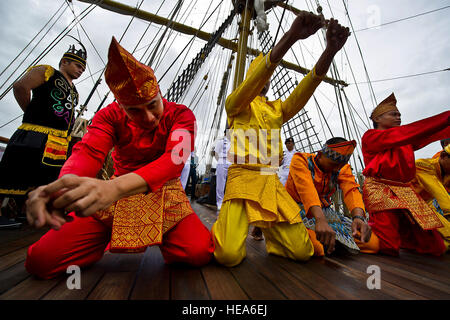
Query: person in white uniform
(283, 172)
(185, 172)
(221, 150)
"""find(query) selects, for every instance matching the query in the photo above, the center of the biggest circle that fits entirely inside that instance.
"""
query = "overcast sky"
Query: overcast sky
(408, 47)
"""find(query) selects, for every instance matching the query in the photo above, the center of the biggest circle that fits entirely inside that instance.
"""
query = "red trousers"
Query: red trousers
(83, 241)
(395, 231)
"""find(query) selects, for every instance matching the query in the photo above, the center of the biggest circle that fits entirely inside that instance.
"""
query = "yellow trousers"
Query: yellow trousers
(231, 229)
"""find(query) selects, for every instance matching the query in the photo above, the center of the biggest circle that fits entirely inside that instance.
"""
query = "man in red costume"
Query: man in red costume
(144, 204)
(399, 217)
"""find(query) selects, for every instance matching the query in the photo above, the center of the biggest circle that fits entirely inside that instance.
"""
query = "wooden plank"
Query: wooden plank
(255, 285)
(187, 283)
(289, 285)
(153, 279)
(90, 277)
(113, 286)
(395, 276)
(429, 263)
(394, 264)
(19, 238)
(386, 287)
(304, 273)
(31, 288)
(221, 283)
(118, 281)
(12, 276)
(125, 262)
(345, 280)
(13, 258)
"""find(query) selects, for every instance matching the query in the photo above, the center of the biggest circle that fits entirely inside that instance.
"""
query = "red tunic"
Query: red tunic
(154, 155)
(389, 154)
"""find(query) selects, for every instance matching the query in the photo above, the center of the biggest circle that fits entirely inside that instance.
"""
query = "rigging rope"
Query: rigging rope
(403, 19)
(49, 47)
(178, 87)
(405, 76)
(24, 59)
(31, 41)
(360, 52)
(193, 37)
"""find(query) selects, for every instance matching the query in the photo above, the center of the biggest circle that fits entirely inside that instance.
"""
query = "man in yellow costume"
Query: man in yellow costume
(254, 195)
(432, 183)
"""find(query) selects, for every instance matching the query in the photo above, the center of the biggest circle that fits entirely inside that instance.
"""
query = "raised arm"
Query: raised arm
(336, 37)
(417, 133)
(303, 26)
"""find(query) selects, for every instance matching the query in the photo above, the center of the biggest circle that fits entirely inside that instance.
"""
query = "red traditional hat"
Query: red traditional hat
(130, 81)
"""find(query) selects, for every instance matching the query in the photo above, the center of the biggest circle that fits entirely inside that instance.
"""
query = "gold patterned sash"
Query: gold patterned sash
(268, 202)
(141, 220)
(383, 194)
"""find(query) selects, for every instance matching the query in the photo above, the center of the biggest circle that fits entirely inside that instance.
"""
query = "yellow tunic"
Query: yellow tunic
(255, 127)
(251, 116)
(429, 184)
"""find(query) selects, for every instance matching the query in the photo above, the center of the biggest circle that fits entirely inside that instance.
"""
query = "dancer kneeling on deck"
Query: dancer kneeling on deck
(398, 215)
(254, 195)
(432, 183)
(312, 179)
(144, 204)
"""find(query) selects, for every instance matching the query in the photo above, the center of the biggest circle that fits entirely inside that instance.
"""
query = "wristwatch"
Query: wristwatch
(359, 217)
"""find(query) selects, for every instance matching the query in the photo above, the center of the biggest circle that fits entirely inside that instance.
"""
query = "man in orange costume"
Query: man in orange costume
(144, 204)
(398, 215)
(312, 180)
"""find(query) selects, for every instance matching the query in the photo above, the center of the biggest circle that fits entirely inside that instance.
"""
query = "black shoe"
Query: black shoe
(6, 223)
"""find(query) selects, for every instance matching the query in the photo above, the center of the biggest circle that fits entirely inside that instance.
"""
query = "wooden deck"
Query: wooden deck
(259, 277)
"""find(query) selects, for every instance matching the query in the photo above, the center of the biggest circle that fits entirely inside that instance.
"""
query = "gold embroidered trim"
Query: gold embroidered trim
(46, 130)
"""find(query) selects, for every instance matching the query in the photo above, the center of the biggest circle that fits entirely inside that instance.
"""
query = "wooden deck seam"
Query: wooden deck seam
(362, 274)
(206, 284)
(133, 285)
(253, 245)
(95, 286)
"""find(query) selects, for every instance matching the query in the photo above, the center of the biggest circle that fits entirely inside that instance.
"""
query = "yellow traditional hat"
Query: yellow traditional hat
(339, 152)
(388, 104)
(254, 64)
(130, 81)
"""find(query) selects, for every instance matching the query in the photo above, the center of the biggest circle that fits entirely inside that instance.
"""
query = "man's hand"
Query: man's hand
(305, 25)
(40, 210)
(361, 230)
(336, 35)
(84, 195)
(48, 204)
(325, 234)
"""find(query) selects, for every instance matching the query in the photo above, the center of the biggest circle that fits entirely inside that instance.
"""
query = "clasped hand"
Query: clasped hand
(49, 204)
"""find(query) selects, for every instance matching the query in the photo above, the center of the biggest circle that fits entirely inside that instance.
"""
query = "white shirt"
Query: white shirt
(221, 148)
(287, 157)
